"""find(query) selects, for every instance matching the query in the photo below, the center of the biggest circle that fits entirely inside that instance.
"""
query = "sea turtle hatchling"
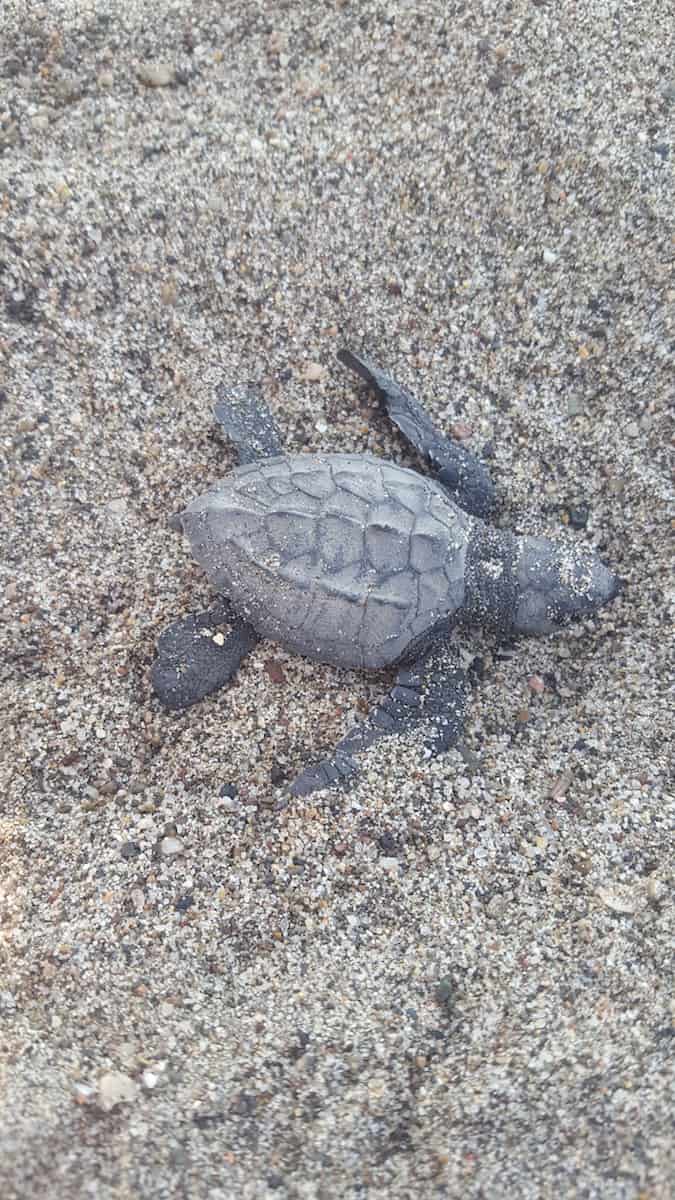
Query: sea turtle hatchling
(352, 560)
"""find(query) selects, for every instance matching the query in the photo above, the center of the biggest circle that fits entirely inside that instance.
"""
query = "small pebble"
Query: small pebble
(578, 517)
(274, 670)
(445, 991)
(620, 899)
(656, 889)
(278, 774)
(536, 684)
(169, 847)
(115, 1088)
(83, 1093)
(460, 431)
(313, 372)
(560, 785)
(168, 293)
(275, 42)
(156, 74)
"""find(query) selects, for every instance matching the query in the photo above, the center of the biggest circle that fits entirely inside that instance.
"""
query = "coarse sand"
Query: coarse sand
(455, 980)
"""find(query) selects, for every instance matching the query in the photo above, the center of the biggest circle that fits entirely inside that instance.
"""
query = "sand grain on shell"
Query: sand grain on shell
(456, 980)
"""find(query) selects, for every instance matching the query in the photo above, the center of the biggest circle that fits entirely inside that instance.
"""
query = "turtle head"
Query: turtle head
(555, 584)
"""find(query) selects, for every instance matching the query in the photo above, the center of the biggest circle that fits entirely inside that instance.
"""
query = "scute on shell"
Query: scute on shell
(343, 558)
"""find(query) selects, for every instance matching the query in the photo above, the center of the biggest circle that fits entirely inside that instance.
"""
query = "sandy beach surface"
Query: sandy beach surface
(456, 979)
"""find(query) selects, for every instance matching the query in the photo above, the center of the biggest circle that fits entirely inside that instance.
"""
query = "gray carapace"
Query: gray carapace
(353, 560)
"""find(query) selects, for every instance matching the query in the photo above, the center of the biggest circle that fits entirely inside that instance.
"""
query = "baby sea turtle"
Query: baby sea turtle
(352, 560)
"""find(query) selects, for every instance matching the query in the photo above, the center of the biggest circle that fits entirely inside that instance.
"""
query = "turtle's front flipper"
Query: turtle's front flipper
(195, 658)
(464, 477)
(429, 696)
(247, 422)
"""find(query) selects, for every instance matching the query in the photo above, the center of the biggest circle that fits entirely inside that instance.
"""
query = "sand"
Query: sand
(455, 980)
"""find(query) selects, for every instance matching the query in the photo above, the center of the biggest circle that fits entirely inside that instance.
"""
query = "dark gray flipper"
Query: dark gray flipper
(430, 695)
(464, 477)
(247, 422)
(195, 658)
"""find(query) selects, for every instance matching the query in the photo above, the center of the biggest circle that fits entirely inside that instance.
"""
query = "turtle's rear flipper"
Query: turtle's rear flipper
(195, 657)
(465, 478)
(247, 422)
(430, 696)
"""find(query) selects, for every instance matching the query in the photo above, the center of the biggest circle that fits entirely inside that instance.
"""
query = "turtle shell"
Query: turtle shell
(345, 558)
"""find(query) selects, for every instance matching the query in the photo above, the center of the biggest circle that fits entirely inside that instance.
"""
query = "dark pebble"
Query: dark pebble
(496, 82)
(445, 991)
(278, 775)
(471, 760)
(130, 850)
(151, 151)
(387, 843)
(578, 517)
(204, 1120)
(275, 670)
(477, 668)
(23, 309)
(228, 791)
(184, 903)
(583, 745)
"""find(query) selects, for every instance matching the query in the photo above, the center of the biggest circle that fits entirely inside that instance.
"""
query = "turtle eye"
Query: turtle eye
(449, 477)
